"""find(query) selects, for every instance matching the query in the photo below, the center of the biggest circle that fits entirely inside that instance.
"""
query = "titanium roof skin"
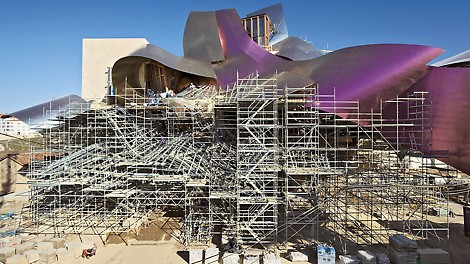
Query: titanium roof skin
(242, 54)
(296, 49)
(43, 115)
(448, 89)
(457, 59)
(201, 37)
(351, 73)
(369, 74)
(129, 67)
(276, 14)
(359, 73)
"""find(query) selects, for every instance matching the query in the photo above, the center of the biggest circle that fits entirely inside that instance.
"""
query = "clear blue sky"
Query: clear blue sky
(41, 41)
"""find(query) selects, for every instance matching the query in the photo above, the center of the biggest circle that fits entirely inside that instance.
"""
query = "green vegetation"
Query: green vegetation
(19, 145)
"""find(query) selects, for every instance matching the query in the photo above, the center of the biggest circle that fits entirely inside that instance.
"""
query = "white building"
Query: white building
(12, 126)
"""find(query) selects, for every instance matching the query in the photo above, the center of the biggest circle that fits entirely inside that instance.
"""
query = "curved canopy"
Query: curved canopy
(217, 46)
(296, 49)
(47, 114)
(455, 61)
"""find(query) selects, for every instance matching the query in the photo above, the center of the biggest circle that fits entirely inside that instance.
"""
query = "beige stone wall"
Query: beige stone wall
(8, 175)
(21, 185)
(97, 56)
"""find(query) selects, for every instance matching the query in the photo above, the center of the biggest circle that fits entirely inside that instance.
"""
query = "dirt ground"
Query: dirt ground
(164, 252)
(155, 245)
(168, 250)
(151, 231)
(459, 244)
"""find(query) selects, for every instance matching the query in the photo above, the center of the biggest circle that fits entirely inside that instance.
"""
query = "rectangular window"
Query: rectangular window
(258, 29)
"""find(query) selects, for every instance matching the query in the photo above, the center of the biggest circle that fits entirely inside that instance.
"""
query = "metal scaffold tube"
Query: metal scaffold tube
(262, 164)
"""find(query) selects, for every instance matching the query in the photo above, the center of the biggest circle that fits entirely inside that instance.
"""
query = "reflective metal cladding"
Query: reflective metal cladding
(48, 114)
(217, 48)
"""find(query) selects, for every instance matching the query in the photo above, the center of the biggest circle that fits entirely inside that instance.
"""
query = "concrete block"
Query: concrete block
(44, 246)
(433, 256)
(27, 238)
(76, 248)
(295, 256)
(38, 239)
(58, 242)
(14, 241)
(195, 256)
(21, 248)
(382, 258)
(32, 255)
(47, 256)
(17, 259)
(366, 257)
(5, 253)
(271, 258)
(4, 241)
(230, 258)
(399, 257)
(402, 243)
(249, 258)
(348, 259)
(211, 256)
(65, 256)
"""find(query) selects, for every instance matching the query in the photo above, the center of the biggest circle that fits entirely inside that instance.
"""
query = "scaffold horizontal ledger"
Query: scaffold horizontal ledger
(262, 164)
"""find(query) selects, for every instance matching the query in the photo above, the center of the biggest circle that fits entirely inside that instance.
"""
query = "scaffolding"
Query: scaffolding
(257, 160)
(262, 164)
(303, 163)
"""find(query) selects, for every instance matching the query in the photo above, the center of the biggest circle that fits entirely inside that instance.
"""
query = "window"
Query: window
(259, 29)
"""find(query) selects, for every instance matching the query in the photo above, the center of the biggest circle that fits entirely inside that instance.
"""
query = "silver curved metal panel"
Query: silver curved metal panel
(242, 54)
(130, 67)
(461, 58)
(184, 64)
(46, 114)
(296, 49)
(276, 14)
(291, 79)
(201, 37)
(369, 74)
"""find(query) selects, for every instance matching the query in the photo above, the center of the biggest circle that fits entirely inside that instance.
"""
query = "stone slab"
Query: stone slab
(17, 259)
(23, 247)
(271, 258)
(211, 256)
(47, 256)
(58, 242)
(433, 256)
(32, 255)
(63, 255)
(5, 253)
(230, 258)
(195, 256)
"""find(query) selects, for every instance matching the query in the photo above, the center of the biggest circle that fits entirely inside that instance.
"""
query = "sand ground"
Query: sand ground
(156, 246)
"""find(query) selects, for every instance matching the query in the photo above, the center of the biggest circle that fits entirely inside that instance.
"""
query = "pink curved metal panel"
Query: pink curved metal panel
(369, 74)
(448, 91)
(242, 55)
